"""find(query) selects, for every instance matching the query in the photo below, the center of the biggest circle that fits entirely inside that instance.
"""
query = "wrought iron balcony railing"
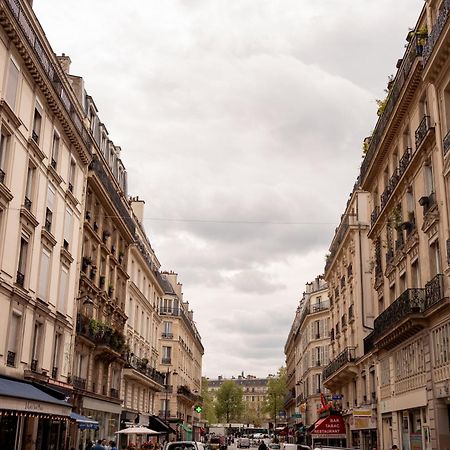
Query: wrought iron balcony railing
(167, 335)
(78, 382)
(434, 291)
(410, 301)
(345, 357)
(11, 359)
(20, 278)
(412, 52)
(142, 366)
(422, 130)
(54, 372)
(114, 393)
(436, 31)
(166, 360)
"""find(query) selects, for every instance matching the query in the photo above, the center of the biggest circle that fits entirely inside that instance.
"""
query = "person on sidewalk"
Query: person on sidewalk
(262, 446)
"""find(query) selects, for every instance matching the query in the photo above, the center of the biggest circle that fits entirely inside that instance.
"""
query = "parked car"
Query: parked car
(274, 446)
(217, 443)
(243, 442)
(184, 445)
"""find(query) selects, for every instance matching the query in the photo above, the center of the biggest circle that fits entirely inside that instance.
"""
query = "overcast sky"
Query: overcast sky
(241, 124)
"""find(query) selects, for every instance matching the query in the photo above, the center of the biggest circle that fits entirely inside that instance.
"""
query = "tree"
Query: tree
(229, 403)
(209, 413)
(252, 415)
(276, 394)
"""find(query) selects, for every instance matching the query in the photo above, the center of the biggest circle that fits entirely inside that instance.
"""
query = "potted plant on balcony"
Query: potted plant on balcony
(110, 290)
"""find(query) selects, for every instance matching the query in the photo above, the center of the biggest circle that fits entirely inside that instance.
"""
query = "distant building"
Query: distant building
(180, 359)
(254, 392)
(307, 353)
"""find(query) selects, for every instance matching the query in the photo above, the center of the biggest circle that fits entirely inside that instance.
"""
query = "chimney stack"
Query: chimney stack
(65, 62)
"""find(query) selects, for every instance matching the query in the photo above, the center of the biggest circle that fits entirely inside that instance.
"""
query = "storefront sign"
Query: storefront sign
(331, 426)
(19, 404)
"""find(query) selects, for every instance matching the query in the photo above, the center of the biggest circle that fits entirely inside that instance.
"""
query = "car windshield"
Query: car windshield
(179, 446)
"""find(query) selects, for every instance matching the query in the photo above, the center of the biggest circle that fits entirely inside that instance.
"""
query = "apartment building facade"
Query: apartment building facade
(44, 157)
(307, 353)
(351, 375)
(141, 377)
(402, 375)
(181, 352)
(255, 391)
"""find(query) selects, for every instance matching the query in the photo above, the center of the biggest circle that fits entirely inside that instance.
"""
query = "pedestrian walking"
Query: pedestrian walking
(113, 445)
(262, 446)
(98, 445)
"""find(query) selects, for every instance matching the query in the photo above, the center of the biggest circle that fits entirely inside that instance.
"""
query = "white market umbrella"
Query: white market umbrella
(137, 430)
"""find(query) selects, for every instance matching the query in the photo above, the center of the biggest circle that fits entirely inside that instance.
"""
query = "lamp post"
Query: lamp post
(166, 386)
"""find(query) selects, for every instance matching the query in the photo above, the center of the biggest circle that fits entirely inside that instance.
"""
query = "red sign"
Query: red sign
(331, 425)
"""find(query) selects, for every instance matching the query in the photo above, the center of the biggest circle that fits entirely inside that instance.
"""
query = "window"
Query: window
(37, 338)
(72, 174)
(23, 256)
(44, 272)
(68, 228)
(56, 354)
(167, 329)
(415, 274)
(50, 208)
(435, 258)
(12, 83)
(55, 149)
(4, 141)
(37, 123)
(63, 288)
(31, 172)
(428, 177)
(166, 355)
(13, 339)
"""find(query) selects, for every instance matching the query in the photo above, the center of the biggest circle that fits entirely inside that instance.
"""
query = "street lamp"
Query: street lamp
(166, 386)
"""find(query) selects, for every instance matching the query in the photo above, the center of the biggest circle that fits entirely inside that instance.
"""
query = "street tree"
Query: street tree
(209, 412)
(252, 415)
(229, 404)
(276, 395)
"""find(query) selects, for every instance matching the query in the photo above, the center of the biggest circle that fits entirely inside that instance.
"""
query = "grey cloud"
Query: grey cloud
(237, 111)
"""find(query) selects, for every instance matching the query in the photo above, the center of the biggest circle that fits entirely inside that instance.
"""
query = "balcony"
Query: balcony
(141, 365)
(422, 131)
(400, 320)
(166, 361)
(167, 335)
(78, 383)
(185, 392)
(54, 372)
(374, 216)
(100, 334)
(114, 393)
(436, 31)
(341, 367)
(434, 291)
(401, 79)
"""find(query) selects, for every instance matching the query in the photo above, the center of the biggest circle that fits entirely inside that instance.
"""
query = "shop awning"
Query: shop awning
(19, 395)
(187, 427)
(83, 422)
(159, 425)
(332, 427)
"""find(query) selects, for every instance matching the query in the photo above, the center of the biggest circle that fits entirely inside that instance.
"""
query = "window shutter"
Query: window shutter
(62, 295)
(68, 226)
(44, 274)
(13, 81)
(51, 198)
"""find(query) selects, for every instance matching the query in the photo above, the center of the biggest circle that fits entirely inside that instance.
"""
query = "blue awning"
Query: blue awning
(20, 395)
(83, 422)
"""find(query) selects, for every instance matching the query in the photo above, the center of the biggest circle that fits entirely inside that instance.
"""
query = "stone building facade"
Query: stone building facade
(180, 360)
(307, 352)
(44, 156)
(350, 375)
(80, 285)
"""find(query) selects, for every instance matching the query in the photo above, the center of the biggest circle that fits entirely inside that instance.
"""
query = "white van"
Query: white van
(243, 442)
